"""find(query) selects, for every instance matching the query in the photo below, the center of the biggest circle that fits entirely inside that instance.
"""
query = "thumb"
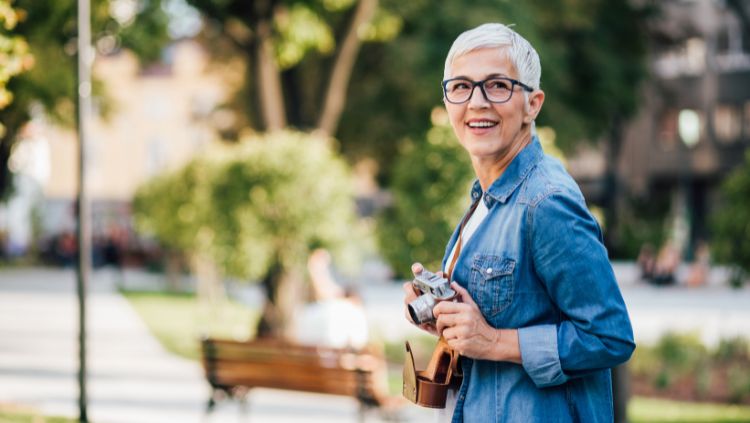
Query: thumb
(463, 293)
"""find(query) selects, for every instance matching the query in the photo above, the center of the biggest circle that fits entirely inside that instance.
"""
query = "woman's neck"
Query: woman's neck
(489, 169)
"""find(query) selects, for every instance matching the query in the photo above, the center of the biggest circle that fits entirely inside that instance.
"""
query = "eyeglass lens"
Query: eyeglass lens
(496, 90)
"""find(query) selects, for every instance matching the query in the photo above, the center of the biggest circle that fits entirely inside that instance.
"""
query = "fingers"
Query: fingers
(417, 268)
(409, 292)
(448, 307)
(445, 321)
(463, 293)
(409, 296)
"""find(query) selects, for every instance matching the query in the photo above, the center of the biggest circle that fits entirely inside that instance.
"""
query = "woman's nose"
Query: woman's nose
(477, 100)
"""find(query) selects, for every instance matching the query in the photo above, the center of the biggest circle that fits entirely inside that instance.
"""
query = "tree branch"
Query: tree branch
(335, 96)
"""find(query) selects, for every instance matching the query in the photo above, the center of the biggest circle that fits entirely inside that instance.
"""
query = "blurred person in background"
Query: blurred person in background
(336, 317)
(647, 262)
(540, 320)
(667, 262)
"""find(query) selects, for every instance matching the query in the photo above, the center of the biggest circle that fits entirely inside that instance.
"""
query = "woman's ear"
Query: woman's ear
(536, 99)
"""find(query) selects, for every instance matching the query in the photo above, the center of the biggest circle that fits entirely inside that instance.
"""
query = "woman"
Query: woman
(540, 320)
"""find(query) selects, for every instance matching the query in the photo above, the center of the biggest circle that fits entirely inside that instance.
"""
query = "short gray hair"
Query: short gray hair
(494, 35)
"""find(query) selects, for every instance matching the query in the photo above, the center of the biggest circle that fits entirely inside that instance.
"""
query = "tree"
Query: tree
(49, 28)
(276, 36)
(731, 222)
(431, 182)
(14, 53)
(255, 210)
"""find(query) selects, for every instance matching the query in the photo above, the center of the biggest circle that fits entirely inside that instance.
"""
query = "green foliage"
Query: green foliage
(681, 354)
(264, 202)
(14, 53)
(731, 222)
(681, 363)
(306, 36)
(733, 349)
(431, 182)
(176, 207)
(643, 222)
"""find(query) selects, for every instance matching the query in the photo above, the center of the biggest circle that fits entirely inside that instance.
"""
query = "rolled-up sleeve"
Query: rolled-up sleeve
(540, 357)
(594, 331)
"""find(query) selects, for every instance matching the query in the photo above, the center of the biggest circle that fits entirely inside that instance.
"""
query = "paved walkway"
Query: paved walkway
(133, 379)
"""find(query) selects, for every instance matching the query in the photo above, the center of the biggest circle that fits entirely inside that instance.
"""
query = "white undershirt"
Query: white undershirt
(446, 414)
(471, 226)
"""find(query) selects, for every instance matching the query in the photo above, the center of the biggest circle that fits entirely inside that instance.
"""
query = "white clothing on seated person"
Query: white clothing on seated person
(336, 322)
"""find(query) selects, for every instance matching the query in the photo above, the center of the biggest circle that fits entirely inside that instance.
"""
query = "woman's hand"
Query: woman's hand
(410, 294)
(466, 330)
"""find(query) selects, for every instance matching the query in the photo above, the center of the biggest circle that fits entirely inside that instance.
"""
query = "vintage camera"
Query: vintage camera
(433, 288)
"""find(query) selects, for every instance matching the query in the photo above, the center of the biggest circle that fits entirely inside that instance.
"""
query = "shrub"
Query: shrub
(731, 222)
(431, 183)
(255, 211)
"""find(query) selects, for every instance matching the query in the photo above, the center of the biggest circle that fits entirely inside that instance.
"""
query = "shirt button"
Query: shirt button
(489, 270)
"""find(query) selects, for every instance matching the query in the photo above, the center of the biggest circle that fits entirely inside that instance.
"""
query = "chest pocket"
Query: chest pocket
(491, 283)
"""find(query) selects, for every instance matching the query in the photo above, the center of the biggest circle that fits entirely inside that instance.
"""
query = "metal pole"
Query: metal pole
(85, 59)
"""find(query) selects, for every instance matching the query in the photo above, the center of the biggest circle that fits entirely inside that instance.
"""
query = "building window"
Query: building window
(727, 123)
(668, 129)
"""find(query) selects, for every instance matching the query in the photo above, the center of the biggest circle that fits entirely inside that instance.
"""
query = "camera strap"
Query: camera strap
(460, 241)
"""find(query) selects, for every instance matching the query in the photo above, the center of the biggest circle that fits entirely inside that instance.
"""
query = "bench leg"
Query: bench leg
(211, 402)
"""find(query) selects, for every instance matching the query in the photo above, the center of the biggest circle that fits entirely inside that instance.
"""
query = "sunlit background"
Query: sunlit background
(230, 140)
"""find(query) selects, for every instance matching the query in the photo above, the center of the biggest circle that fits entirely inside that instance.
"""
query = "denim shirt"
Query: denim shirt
(537, 264)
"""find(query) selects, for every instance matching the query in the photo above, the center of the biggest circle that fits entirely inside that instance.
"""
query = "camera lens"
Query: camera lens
(420, 310)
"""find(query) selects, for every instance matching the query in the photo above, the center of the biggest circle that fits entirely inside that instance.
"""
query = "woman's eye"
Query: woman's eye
(497, 85)
(460, 86)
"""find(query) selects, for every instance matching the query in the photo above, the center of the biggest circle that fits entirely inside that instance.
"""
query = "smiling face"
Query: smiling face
(492, 133)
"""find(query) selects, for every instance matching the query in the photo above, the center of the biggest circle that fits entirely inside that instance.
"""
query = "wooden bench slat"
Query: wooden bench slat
(280, 365)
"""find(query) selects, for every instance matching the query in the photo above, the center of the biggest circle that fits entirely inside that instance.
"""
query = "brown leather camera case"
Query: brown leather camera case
(429, 388)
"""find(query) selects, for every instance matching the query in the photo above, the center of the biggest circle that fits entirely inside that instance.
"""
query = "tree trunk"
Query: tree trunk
(6, 178)
(335, 96)
(268, 80)
(282, 288)
(13, 120)
(611, 185)
(210, 289)
(173, 270)
(621, 392)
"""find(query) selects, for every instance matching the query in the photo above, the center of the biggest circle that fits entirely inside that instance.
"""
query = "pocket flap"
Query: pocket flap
(493, 266)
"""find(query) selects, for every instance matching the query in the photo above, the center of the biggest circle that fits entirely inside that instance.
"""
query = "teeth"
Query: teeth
(481, 124)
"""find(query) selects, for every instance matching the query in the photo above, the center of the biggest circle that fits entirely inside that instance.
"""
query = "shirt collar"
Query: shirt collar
(514, 174)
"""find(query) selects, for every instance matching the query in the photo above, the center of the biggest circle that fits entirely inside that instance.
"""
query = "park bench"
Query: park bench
(232, 368)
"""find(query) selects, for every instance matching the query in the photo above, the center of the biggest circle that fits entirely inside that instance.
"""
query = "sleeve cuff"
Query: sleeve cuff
(539, 355)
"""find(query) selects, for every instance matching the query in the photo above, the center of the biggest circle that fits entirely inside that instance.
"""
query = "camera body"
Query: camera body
(434, 288)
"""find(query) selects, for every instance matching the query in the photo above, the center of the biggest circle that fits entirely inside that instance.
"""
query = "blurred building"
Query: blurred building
(154, 119)
(693, 125)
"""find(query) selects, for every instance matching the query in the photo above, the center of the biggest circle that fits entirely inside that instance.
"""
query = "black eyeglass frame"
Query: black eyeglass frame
(474, 84)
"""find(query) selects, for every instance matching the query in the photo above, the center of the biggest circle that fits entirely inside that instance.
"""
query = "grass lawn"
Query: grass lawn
(13, 414)
(647, 410)
(178, 321)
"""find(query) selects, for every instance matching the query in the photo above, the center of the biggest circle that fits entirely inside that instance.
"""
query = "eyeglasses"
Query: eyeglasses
(495, 90)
